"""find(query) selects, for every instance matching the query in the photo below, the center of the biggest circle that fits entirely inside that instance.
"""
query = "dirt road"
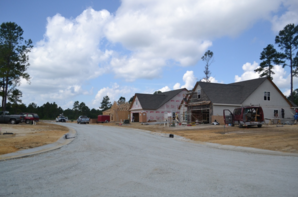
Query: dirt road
(111, 161)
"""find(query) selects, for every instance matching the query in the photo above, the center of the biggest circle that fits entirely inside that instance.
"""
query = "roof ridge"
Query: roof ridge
(263, 78)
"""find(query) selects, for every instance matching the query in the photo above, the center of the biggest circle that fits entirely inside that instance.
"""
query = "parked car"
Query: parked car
(30, 117)
(5, 117)
(61, 118)
(83, 120)
(245, 116)
(103, 118)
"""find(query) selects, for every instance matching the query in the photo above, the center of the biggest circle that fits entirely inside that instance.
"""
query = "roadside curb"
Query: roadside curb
(248, 149)
(42, 149)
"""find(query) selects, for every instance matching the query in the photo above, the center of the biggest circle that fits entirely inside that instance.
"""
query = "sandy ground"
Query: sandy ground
(29, 136)
(270, 137)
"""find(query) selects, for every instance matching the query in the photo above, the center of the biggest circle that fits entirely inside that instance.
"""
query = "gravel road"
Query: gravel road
(114, 161)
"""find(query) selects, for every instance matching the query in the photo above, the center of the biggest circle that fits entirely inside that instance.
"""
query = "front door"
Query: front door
(228, 116)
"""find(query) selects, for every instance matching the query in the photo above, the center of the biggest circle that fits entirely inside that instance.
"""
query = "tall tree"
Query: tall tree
(76, 105)
(14, 58)
(105, 104)
(84, 109)
(157, 92)
(269, 56)
(121, 100)
(208, 58)
(15, 96)
(287, 40)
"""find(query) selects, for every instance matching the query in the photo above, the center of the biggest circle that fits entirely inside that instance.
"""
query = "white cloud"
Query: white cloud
(176, 86)
(280, 78)
(165, 89)
(135, 67)
(189, 79)
(249, 72)
(176, 30)
(114, 93)
(152, 33)
(211, 79)
(68, 55)
(287, 92)
(290, 16)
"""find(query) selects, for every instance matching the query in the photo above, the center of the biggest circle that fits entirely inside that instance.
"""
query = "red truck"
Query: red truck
(245, 116)
(103, 118)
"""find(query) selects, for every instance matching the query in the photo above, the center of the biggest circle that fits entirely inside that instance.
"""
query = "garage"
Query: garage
(135, 117)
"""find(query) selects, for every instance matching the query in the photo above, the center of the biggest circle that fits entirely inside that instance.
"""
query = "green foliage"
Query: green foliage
(157, 92)
(121, 100)
(83, 108)
(131, 99)
(294, 97)
(51, 110)
(13, 59)
(76, 105)
(208, 58)
(105, 104)
(287, 40)
(15, 96)
(269, 56)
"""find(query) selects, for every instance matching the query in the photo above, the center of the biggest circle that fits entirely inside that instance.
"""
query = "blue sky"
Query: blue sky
(85, 50)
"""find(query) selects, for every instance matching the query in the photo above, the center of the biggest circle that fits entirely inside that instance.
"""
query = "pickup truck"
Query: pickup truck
(83, 120)
(61, 118)
(5, 117)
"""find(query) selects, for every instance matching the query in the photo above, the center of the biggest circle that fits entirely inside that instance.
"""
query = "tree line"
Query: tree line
(52, 110)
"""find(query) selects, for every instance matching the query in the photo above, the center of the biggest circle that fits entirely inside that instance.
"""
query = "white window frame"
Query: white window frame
(266, 96)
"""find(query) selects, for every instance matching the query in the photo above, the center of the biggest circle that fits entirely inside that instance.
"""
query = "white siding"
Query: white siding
(277, 101)
(218, 109)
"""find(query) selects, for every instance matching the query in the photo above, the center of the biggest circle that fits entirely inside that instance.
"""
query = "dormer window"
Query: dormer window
(199, 93)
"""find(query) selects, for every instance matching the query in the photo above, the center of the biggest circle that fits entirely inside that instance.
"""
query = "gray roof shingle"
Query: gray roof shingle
(234, 93)
(155, 101)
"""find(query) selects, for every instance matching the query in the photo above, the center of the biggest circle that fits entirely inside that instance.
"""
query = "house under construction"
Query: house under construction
(118, 112)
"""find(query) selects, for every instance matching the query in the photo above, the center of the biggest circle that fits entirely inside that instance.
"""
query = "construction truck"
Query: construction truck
(244, 116)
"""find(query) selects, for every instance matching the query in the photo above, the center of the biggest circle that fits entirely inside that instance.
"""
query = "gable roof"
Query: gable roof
(233, 93)
(155, 101)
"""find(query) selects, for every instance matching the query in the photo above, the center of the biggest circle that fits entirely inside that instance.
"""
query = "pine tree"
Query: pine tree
(13, 58)
(270, 56)
(287, 40)
(208, 58)
(105, 104)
